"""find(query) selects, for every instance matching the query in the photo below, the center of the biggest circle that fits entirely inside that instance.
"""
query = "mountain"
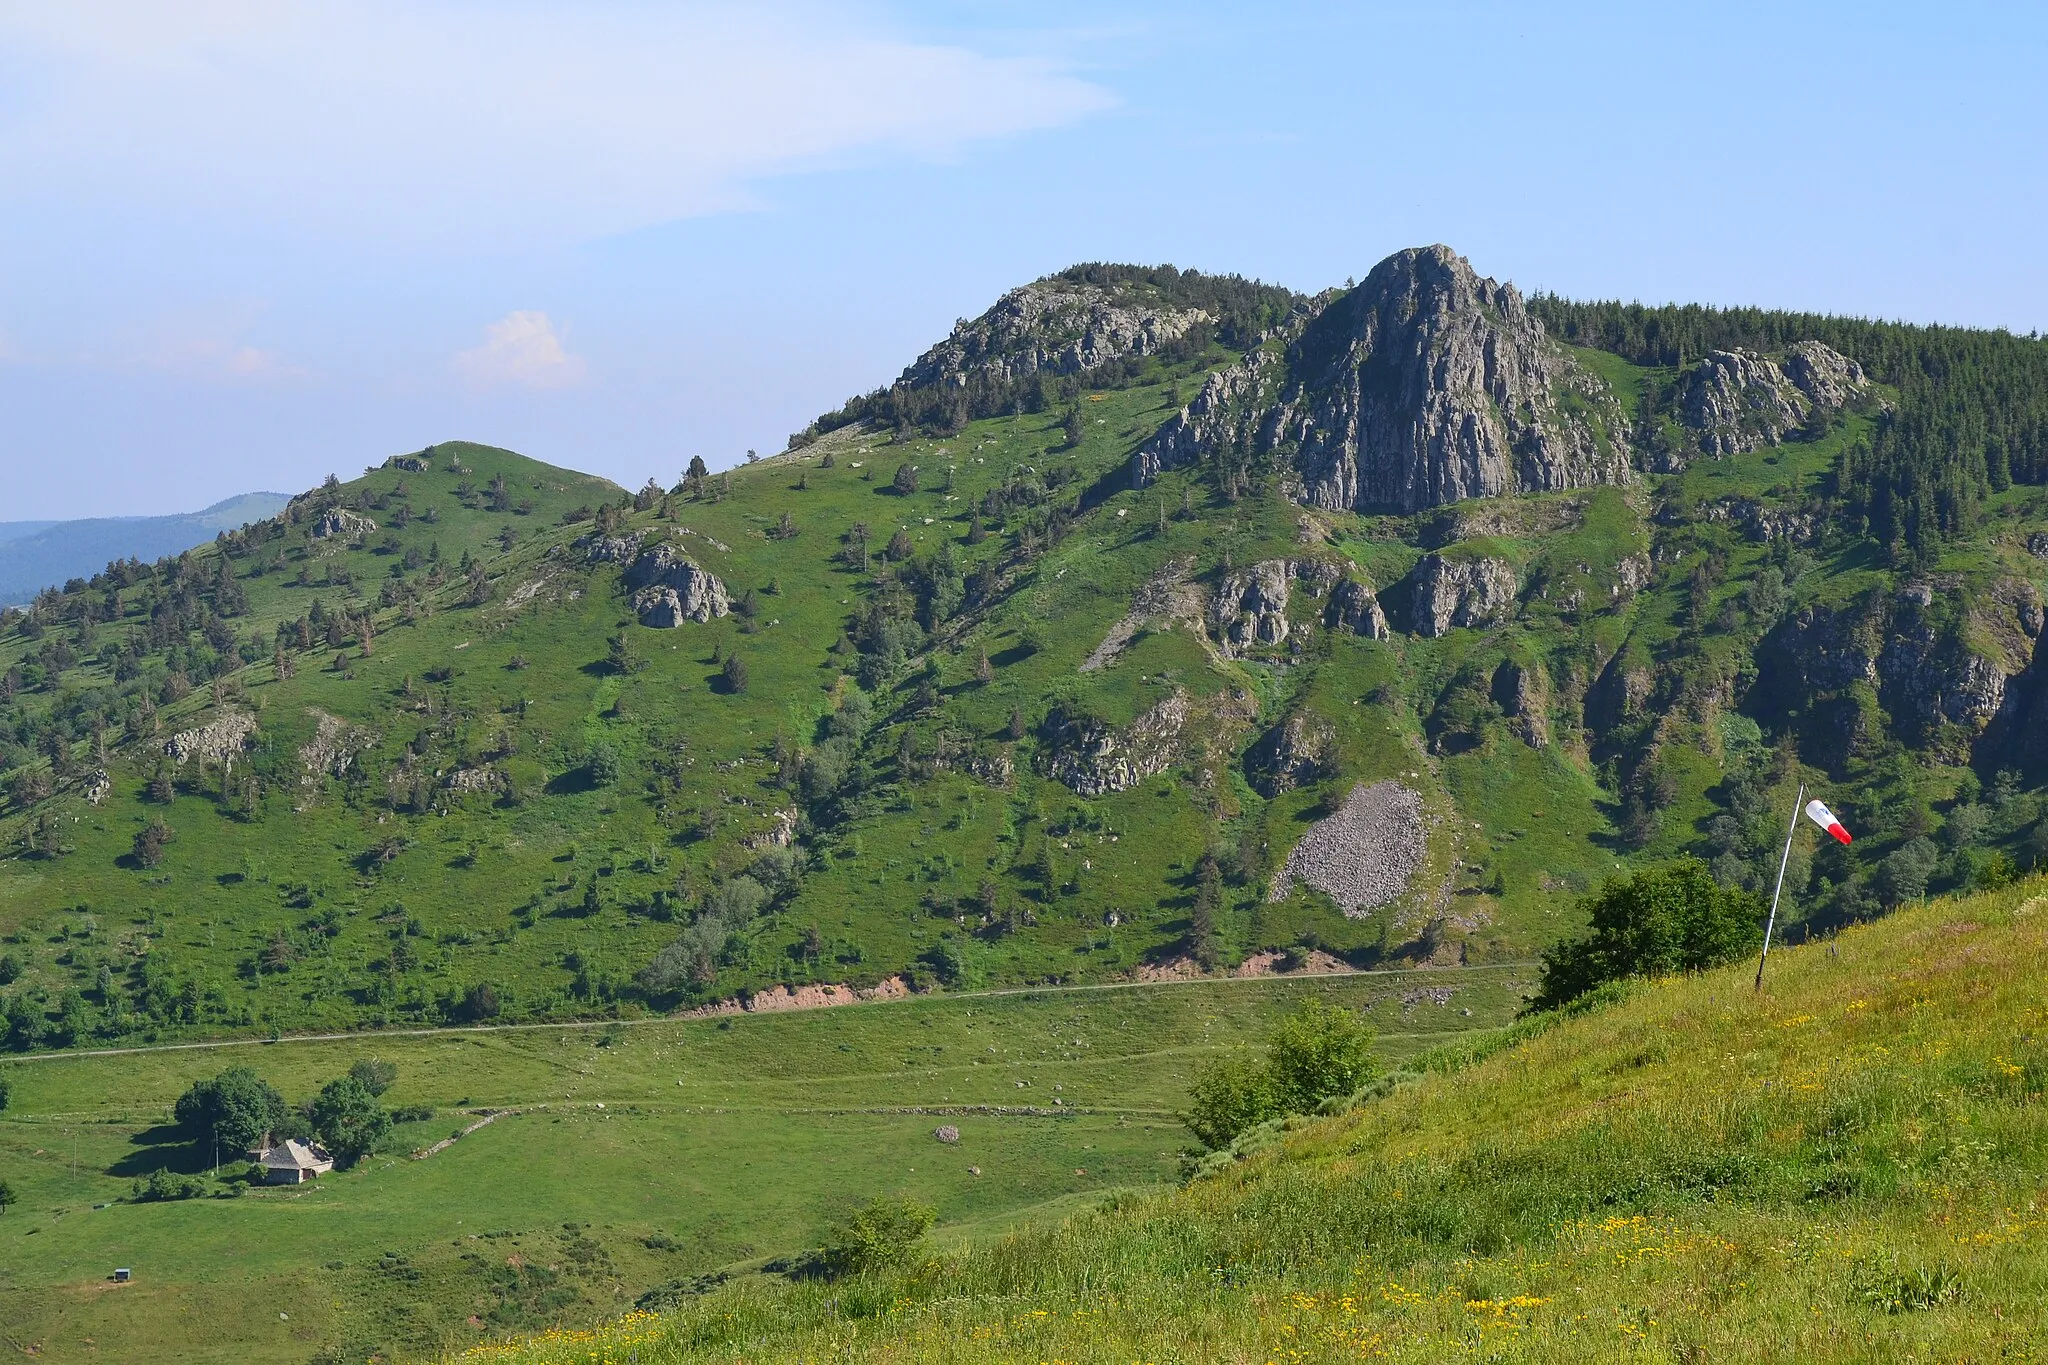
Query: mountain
(1151, 624)
(45, 554)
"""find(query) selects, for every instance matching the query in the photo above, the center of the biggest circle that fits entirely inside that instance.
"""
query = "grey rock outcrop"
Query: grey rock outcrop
(1930, 666)
(220, 740)
(1824, 375)
(1448, 593)
(668, 587)
(1298, 752)
(1051, 326)
(1093, 759)
(1425, 385)
(339, 521)
(1355, 608)
(671, 590)
(1524, 696)
(1250, 608)
(1738, 401)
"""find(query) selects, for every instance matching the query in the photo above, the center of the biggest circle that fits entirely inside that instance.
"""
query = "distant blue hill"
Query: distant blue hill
(45, 554)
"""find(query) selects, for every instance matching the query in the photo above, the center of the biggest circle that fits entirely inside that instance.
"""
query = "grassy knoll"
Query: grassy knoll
(1845, 1167)
(643, 1154)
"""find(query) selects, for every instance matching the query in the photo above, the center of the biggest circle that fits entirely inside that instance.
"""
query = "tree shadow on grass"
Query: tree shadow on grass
(166, 1147)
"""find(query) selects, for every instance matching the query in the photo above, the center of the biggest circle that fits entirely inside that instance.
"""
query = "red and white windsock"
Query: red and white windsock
(1825, 818)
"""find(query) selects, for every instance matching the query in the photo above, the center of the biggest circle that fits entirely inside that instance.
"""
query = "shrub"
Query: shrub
(166, 1185)
(1674, 918)
(480, 1002)
(1229, 1096)
(7, 1196)
(601, 765)
(1319, 1052)
(735, 673)
(376, 1075)
(150, 841)
(884, 1232)
(6, 1091)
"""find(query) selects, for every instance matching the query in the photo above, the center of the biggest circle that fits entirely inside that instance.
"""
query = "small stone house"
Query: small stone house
(291, 1162)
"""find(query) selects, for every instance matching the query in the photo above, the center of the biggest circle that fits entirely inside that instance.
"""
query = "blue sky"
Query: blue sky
(249, 242)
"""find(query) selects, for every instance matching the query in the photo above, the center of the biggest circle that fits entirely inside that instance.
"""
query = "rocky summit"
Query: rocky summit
(1425, 385)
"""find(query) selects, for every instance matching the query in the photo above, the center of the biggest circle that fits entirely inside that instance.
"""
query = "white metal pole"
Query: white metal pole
(1778, 890)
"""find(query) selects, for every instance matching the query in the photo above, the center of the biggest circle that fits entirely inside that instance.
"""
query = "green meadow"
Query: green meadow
(633, 1156)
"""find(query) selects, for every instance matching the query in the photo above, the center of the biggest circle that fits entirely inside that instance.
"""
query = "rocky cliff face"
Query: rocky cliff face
(1354, 607)
(1425, 385)
(1052, 327)
(1737, 401)
(1932, 665)
(1447, 593)
(1250, 608)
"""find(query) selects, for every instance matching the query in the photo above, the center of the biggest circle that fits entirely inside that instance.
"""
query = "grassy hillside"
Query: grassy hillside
(634, 1156)
(511, 796)
(1845, 1167)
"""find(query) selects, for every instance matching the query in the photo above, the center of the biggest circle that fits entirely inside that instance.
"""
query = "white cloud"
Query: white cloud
(521, 349)
(201, 357)
(457, 121)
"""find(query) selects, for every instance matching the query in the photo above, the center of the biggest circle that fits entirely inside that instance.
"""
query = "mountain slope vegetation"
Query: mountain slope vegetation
(1118, 638)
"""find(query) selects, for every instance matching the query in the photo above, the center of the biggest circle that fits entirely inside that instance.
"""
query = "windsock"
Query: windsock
(1825, 818)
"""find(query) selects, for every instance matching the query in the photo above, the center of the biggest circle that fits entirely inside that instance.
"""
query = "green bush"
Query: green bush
(232, 1111)
(1319, 1052)
(376, 1075)
(1674, 918)
(348, 1118)
(884, 1232)
(165, 1185)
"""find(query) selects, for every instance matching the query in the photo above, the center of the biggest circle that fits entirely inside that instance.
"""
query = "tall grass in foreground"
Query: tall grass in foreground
(1849, 1167)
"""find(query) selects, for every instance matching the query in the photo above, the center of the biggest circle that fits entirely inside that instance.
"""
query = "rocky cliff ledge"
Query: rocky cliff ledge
(1737, 401)
(1052, 326)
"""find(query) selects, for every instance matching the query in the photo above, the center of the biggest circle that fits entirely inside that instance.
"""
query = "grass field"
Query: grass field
(1845, 1167)
(642, 1154)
